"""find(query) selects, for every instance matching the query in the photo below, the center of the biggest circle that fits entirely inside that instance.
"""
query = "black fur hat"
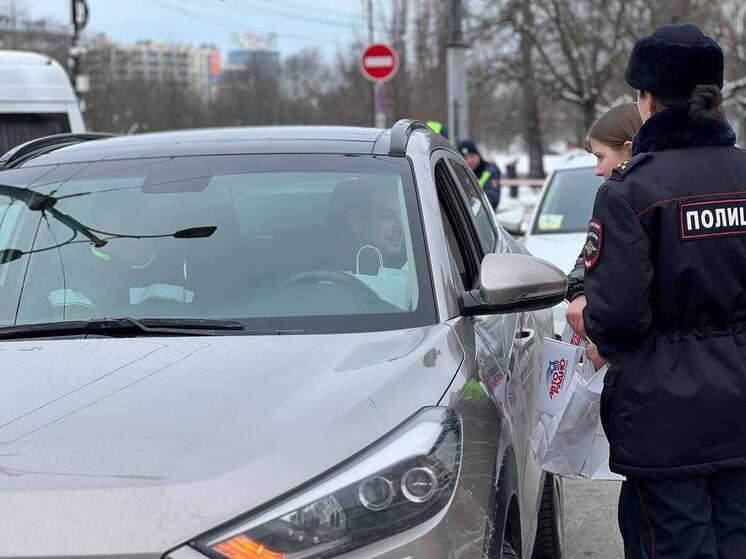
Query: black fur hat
(673, 60)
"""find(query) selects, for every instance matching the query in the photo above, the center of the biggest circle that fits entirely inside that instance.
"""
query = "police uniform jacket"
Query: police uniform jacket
(665, 280)
(489, 179)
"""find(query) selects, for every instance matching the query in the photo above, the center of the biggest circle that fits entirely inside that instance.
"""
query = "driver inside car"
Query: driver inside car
(366, 213)
(367, 222)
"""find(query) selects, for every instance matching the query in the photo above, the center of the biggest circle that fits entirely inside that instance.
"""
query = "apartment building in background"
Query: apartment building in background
(37, 35)
(252, 58)
(195, 67)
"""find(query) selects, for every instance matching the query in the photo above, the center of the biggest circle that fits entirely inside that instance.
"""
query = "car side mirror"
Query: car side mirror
(514, 283)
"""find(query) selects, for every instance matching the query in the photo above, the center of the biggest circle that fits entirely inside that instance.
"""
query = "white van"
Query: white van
(36, 99)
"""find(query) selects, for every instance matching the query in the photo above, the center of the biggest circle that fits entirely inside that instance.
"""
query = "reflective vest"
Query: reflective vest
(435, 126)
(484, 177)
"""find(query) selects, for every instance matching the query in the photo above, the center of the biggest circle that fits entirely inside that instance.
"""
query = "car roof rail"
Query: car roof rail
(400, 133)
(38, 146)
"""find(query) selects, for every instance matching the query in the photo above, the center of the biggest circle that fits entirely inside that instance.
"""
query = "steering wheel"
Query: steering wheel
(338, 278)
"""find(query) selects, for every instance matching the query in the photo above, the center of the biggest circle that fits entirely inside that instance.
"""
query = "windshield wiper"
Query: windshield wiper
(123, 327)
(44, 203)
(36, 201)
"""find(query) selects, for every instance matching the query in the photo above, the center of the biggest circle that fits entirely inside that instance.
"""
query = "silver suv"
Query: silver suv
(266, 343)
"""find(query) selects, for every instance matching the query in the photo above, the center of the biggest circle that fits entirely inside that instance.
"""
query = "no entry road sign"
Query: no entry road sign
(379, 62)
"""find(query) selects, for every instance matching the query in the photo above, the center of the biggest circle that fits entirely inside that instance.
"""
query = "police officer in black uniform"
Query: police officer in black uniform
(488, 175)
(665, 282)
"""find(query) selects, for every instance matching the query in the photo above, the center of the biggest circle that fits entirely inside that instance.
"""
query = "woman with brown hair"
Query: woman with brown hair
(610, 137)
(610, 140)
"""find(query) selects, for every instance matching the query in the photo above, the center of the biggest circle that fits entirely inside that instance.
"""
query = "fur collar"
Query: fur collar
(672, 128)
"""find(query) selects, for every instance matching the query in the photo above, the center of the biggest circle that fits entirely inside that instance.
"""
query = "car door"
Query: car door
(513, 339)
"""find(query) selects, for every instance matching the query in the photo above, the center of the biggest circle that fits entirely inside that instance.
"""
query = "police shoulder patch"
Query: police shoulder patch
(593, 243)
(621, 170)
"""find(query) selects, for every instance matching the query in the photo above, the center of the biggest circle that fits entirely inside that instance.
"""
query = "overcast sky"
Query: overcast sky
(326, 24)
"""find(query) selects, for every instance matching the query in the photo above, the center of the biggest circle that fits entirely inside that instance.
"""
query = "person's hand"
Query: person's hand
(574, 316)
(591, 352)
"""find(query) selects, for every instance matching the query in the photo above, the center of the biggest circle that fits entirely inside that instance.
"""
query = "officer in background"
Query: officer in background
(437, 127)
(665, 282)
(487, 174)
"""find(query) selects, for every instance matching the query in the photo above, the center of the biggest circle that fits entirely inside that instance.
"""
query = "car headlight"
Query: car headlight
(398, 483)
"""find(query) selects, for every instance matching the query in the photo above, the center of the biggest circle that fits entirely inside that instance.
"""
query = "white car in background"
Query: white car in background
(558, 226)
(36, 99)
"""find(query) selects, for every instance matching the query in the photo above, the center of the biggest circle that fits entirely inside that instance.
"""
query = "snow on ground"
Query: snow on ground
(503, 158)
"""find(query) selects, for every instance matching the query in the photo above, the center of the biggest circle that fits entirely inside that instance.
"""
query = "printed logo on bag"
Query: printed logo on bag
(592, 247)
(556, 376)
(713, 218)
(512, 398)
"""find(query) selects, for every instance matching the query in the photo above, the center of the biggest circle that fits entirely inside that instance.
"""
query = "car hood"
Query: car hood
(129, 447)
(561, 249)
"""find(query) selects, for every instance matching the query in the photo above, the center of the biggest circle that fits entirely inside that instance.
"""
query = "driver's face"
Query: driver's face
(382, 225)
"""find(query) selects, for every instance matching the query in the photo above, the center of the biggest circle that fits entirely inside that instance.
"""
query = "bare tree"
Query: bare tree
(418, 32)
(305, 82)
(504, 77)
(136, 105)
(581, 47)
(348, 99)
(530, 96)
(398, 90)
(249, 94)
(729, 28)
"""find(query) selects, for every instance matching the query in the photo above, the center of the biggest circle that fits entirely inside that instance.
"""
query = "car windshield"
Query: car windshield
(306, 243)
(568, 203)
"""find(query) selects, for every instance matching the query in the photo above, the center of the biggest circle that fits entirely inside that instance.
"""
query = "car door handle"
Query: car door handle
(525, 337)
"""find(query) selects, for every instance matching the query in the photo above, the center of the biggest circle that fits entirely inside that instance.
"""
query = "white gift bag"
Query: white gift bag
(560, 360)
(596, 466)
(390, 284)
(570, 337)
(567, 443)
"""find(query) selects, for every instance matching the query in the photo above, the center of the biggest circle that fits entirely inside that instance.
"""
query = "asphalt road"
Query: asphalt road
(590, 520)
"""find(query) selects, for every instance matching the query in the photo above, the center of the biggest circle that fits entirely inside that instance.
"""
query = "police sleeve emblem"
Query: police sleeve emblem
(592, 247)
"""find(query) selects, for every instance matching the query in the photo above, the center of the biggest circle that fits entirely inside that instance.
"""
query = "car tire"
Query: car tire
(508, 552)
(550, 526)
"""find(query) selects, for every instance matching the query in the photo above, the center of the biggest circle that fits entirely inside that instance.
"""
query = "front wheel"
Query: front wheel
(550, 527)
(508, 552)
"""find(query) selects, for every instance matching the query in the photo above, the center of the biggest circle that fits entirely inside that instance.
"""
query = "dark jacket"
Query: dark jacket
(489, 179)
(665, 281)
(576, 280)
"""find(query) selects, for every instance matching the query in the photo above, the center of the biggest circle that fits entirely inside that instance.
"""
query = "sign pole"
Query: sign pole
(380, 105)
(458, 95)
(374, 85)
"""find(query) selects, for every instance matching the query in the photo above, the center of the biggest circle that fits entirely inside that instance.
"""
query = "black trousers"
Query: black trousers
(685, 518)
(632, 523)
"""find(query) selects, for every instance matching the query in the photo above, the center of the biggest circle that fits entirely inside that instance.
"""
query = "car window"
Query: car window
(461, 243)
(454, 250)
(567, 205)
(18, 128)
(319, 243)
(10, 213)
(478, 208)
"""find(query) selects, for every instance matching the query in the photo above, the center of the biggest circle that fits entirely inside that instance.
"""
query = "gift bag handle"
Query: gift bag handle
(357, 259)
